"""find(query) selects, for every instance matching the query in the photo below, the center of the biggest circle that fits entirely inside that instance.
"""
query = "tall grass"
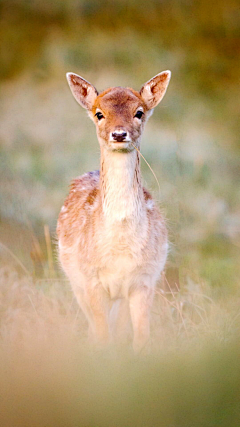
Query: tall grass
(50, 376)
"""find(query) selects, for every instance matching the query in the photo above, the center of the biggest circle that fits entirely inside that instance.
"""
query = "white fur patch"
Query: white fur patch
(150, 204)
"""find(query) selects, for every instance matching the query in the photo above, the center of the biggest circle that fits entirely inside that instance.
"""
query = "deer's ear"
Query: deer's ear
(154, 90)
(84, 93)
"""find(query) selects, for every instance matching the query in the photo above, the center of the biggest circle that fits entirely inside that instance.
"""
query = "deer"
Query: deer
(112, 238)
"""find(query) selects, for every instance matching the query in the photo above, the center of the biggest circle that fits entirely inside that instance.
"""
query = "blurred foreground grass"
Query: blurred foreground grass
(50, 376)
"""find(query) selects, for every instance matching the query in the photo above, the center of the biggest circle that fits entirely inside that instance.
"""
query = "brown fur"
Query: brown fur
(112, 237)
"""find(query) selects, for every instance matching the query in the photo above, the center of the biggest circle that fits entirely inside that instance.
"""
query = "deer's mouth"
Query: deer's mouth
(124, 146)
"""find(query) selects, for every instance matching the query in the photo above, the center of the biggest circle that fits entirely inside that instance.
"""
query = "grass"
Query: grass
(51, 376)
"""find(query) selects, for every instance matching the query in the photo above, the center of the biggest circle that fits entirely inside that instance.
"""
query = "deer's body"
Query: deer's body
(112, 237)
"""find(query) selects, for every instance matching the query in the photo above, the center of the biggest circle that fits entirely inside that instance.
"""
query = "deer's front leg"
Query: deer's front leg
(121, 321)
(140, 303)
(99, 303)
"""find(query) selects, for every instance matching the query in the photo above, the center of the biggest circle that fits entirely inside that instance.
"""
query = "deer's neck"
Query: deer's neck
(120, 184)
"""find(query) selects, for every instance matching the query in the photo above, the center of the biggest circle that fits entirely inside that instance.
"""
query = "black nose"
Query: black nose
(119, 136)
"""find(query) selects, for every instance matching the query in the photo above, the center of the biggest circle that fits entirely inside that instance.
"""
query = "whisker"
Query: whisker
(147, 165)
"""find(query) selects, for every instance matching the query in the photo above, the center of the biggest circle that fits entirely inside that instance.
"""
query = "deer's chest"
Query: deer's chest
(121, 252)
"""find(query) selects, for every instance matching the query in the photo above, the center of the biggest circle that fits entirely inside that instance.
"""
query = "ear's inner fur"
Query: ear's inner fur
(83, 91)
(154, 90)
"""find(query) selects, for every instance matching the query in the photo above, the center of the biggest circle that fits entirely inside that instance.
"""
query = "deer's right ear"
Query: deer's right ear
(84, 93)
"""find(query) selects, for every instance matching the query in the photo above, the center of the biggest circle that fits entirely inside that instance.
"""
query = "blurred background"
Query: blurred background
(191, 141)
(48, 373)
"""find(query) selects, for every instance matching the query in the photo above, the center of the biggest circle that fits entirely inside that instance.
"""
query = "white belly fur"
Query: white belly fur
(116, 276)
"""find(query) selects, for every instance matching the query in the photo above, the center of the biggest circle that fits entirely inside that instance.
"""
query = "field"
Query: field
(49, 374)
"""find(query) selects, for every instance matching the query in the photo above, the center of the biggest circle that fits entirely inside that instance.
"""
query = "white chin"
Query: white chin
(120, 146)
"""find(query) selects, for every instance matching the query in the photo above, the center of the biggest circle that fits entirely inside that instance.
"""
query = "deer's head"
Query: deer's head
(119, 113)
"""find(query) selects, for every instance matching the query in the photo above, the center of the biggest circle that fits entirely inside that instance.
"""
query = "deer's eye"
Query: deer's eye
(99, 115)
(139, 114)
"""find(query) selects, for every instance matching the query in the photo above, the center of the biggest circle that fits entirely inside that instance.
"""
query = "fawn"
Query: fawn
(112, 238)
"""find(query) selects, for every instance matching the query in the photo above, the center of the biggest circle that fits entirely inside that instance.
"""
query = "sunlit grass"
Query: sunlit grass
(188, 375)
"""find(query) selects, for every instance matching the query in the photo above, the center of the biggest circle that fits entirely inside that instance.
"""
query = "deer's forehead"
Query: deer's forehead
(118, 100)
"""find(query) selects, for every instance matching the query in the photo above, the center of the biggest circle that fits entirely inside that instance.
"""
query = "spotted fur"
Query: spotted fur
(112, 237)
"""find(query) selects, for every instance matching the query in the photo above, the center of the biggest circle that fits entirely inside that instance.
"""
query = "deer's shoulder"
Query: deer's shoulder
(85, 183)
(84, 191)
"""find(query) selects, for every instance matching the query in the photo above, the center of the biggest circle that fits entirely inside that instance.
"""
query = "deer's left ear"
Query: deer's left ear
(154, 90)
